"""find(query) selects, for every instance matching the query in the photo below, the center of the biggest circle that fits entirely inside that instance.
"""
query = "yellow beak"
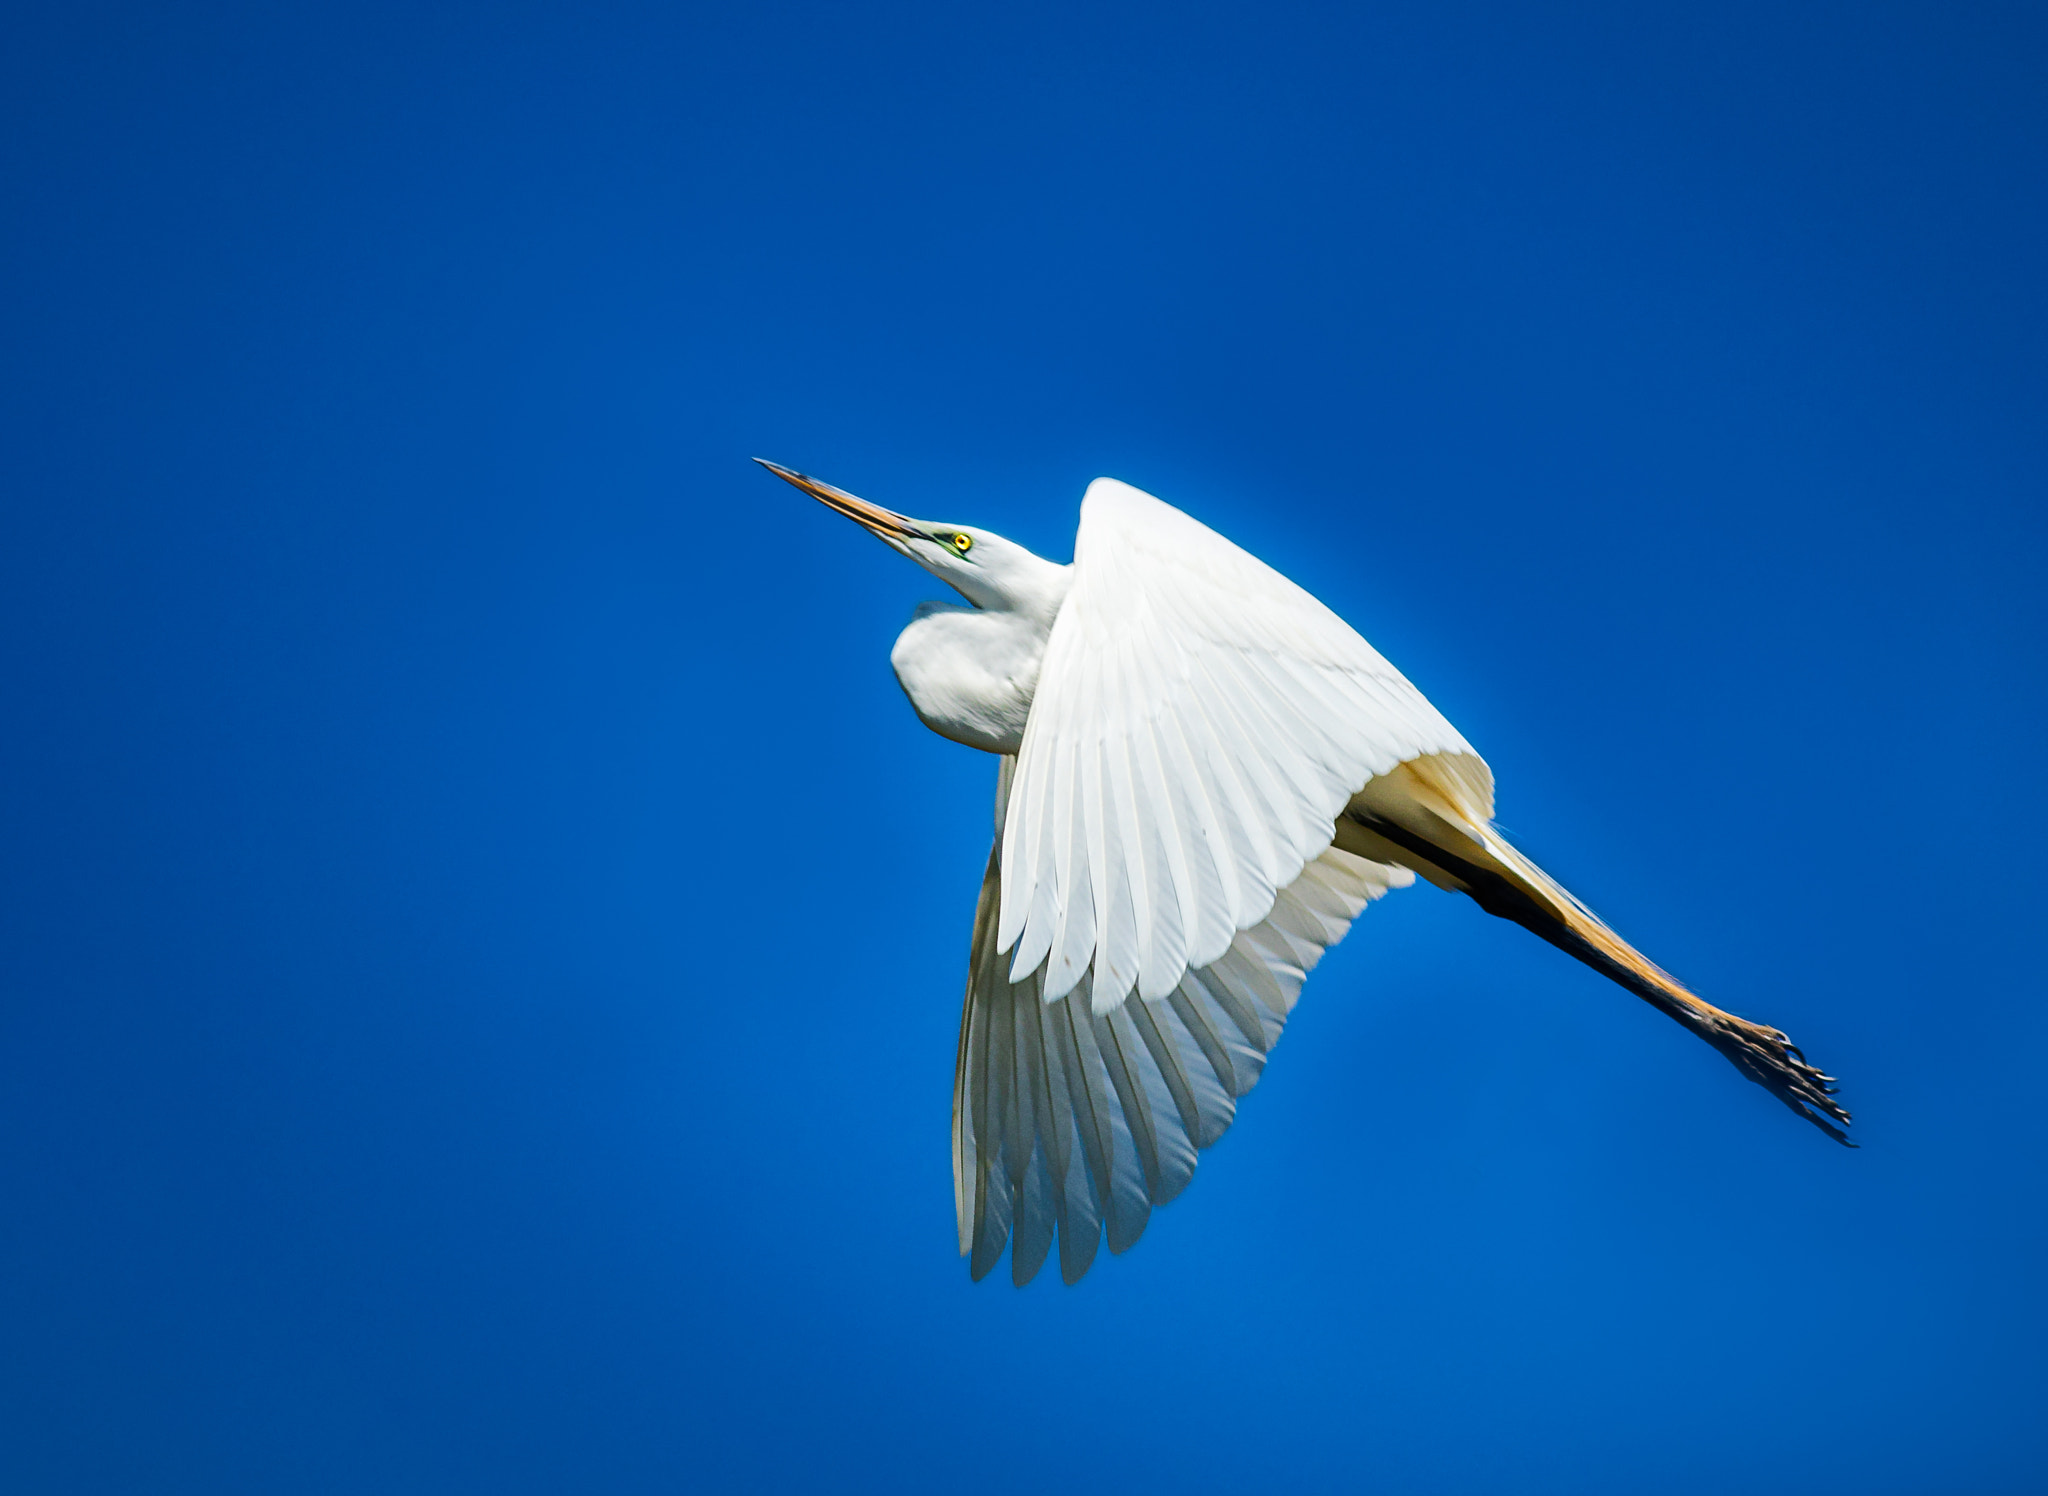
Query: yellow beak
(873, 518)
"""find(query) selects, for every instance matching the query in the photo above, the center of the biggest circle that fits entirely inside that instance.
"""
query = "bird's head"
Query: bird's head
(981, 566)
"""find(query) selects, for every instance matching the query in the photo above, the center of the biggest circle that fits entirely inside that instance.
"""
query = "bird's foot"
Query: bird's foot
(1774, 1062)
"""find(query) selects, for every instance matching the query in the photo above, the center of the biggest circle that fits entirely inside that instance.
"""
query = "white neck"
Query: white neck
(970, 673)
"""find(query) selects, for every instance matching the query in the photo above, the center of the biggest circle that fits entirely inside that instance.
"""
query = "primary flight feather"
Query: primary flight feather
(1205, 775)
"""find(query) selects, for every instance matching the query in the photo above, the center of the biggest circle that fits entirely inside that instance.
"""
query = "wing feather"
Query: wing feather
(1118, 1044)
(1112, 1151)
(1171, 1070)
(1037, 1203)
(1034, 1234)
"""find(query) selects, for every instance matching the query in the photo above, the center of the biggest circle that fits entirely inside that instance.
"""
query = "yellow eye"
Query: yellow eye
(963, 543)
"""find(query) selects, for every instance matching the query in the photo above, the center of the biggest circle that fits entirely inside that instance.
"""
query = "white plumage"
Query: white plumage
(1199, 723)
(1205, 775)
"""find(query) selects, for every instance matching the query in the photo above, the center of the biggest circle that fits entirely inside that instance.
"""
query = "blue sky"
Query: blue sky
(482, 932)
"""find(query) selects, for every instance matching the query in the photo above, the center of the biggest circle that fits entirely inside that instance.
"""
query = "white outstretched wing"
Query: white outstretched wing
(1067, 1120)
(1199, 723)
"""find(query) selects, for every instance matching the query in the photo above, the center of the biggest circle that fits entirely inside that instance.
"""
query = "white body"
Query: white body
(1205, 777)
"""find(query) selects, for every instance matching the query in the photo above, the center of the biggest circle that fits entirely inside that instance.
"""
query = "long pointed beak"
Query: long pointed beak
(886, 523)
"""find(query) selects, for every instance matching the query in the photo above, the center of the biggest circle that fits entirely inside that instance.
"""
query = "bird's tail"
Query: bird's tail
(1419, 817)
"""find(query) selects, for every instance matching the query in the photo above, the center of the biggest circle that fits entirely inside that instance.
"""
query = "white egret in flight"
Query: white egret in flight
(1205, 776)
